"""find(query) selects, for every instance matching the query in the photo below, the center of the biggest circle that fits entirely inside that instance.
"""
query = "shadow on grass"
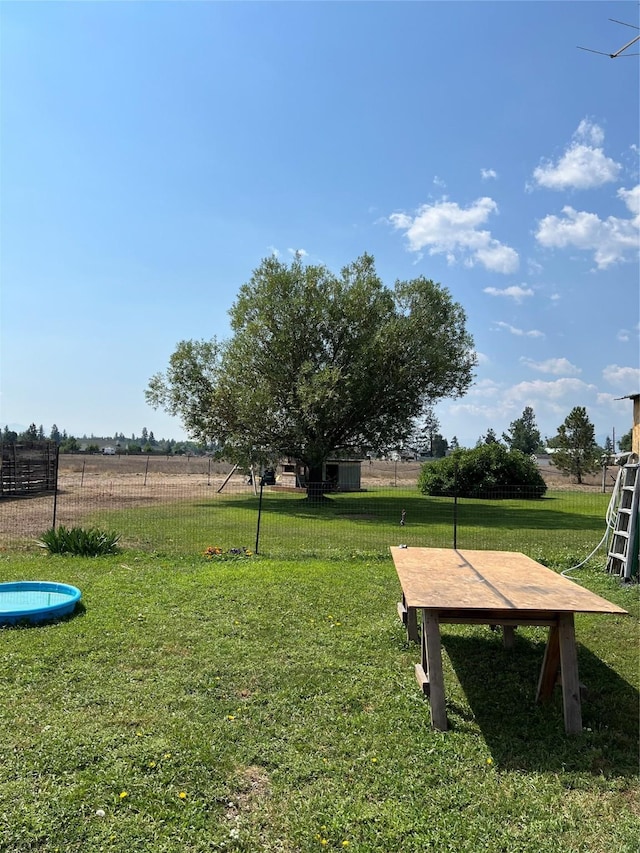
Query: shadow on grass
(500, 687)
(549, 513)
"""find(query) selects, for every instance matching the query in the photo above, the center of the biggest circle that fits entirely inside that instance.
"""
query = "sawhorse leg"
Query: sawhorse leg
(429, 671)
(561, 656)
(409, 616)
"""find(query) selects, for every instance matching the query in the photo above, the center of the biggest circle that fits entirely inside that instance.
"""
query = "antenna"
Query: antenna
(621, 51)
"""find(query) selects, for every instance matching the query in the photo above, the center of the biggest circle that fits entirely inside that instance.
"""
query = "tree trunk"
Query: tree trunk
(315, 490)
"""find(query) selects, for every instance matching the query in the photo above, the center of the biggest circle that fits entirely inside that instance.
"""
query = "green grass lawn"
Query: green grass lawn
(269, 704)
(364, 524)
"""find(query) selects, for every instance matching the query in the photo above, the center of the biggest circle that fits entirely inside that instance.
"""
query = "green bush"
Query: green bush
(90, 542)
(488, 471)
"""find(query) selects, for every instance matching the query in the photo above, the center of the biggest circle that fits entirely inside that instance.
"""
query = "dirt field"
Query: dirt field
(94, 483)
(171, 469)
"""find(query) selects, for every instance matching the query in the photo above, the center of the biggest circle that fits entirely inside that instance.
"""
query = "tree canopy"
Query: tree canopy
(319, 364)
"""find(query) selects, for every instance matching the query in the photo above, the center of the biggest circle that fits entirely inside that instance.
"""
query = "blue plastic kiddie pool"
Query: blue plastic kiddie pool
(36, 601)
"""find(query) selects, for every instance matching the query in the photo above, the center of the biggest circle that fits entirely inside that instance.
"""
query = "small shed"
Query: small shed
(344, 473)
(340, 475)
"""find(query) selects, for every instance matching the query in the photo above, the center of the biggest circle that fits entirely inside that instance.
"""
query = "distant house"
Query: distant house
(108, 451)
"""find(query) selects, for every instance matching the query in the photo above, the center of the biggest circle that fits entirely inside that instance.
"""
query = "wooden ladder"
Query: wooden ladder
(622, 557)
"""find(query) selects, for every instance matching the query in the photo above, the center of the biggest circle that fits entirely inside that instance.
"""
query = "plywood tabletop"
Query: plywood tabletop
(447, 579)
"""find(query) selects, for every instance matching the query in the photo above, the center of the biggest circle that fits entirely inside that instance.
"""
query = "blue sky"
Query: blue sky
(152, 153)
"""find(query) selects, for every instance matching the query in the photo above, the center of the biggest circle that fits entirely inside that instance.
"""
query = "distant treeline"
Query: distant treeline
(146, 442)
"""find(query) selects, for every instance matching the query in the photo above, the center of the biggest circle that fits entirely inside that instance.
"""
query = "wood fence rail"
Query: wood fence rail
(28, 468)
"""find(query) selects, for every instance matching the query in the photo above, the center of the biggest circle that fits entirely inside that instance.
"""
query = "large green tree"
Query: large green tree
(318, 364)
(575, 450)
(523, 433)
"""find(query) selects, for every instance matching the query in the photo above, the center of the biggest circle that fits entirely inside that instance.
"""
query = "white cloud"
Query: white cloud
(631, 198)
(446, 228)
(549, 399)
(483, 388)
(439, 182)
(627, 378)
(555, 396)
(300, 253)
(273, 251)
(611, 240)
(498, 258)
(481, 358)
(583, 164)
(487, 174)
(533, 333)
(551, 391)
(491, 404)
(514, 292)
(555, 366)
(623, 335)
(589, 132)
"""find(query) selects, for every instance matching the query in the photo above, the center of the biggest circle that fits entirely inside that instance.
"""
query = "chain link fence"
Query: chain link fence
(190, 504)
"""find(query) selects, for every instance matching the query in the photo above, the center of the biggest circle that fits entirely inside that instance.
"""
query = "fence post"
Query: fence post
(55, 489)
(259, 513)
(455, 506)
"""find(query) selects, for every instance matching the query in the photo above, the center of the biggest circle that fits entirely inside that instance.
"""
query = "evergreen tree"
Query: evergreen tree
(576, 451)
(430, 428)
(523, 433)
(9, 436)
(440, 446)
(489, 437)
(55, 435)
(30, 434)
(624, 442)
(455, 444)
(69, 444)
(420, 441)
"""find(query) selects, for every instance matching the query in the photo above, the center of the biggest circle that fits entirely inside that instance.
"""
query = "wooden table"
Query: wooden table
(493, 588)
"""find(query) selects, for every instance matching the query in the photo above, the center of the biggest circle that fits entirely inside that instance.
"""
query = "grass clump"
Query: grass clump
(79, 541)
